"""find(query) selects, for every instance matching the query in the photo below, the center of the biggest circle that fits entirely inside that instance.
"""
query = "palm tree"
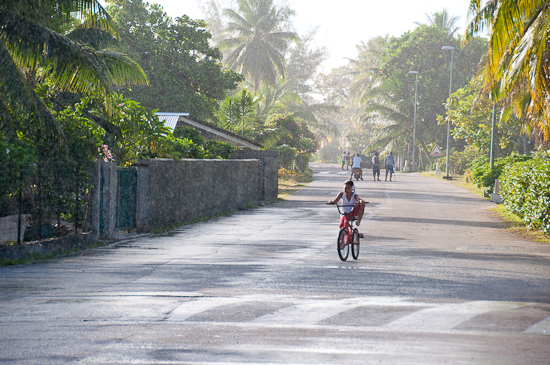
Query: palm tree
(35, 40)
(518, 54)
(442, 19)
(258, 42)
(239, 108)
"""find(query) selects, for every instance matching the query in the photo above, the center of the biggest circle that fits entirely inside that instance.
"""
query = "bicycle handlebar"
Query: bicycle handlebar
(348, 205)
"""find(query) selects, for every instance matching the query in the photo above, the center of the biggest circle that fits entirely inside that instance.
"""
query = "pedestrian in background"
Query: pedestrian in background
(389, 162)
(348, 161)
(343, 159)
(376, 166)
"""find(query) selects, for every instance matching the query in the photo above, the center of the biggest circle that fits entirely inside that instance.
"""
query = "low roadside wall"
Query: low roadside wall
(170, 192)
(267, 174)
(54, 245)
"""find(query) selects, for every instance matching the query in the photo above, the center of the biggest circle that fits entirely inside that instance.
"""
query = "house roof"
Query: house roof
(171, 120)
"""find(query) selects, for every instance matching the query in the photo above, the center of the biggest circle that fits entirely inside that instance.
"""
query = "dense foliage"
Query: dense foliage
(46, 39)
(484, 176)
(525, 191)
(185, 73)
(516, 69)
(471, 115)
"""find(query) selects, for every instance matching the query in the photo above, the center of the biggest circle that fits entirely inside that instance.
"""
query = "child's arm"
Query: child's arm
(336, 199)
(359, 200)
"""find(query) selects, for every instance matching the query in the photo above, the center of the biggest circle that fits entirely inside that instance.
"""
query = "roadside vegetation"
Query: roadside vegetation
(291, 181)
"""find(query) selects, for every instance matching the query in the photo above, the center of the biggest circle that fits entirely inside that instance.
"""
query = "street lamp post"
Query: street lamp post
(414, 123)
(448, 121)
(491, 156)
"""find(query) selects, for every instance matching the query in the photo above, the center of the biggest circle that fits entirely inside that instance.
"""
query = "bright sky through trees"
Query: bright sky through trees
(345, 23)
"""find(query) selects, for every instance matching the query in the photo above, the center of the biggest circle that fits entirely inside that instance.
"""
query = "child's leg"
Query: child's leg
(360, 211)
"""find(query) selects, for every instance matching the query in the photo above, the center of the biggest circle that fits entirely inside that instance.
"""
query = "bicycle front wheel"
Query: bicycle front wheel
(355, 244)
(342, 245)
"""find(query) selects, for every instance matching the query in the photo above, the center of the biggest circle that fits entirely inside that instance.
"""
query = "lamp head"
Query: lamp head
(413, 72)
(448, 47)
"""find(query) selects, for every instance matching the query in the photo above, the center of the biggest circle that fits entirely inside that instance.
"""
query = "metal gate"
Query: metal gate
(126, 198)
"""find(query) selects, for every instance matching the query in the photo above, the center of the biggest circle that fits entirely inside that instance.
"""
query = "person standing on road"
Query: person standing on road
(343, 159)
(389, 162)
(356, 165)
(348, 161)
(376, 166)
(352, 203)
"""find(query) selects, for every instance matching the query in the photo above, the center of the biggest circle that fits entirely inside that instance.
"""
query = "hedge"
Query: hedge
(484, 176)
(525, 191)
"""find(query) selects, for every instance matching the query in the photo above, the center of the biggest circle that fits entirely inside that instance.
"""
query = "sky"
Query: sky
(345, 23)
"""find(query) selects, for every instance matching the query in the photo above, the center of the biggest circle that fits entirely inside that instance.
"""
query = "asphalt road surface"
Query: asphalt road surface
(438, 280)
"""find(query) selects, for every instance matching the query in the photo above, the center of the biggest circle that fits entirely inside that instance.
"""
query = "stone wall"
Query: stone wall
(268, 178)
(49, 246)
(170, 192)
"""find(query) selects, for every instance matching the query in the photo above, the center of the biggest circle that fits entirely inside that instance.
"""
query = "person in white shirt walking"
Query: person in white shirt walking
(357, 166)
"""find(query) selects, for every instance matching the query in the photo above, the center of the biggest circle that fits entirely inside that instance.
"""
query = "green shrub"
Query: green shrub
(525, 191)
(484, 176)
(286, 156)
(216, 149)
(461, 160)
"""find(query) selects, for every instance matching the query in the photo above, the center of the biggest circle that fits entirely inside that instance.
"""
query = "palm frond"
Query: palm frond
(18, 98)
(72, 66)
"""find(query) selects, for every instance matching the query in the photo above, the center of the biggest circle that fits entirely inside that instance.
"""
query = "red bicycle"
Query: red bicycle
(348, 236)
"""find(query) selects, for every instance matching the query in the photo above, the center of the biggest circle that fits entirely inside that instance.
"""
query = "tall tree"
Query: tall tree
(386, 91)
(258, 41)
(442, 19)
(518, 54)
(185, 73)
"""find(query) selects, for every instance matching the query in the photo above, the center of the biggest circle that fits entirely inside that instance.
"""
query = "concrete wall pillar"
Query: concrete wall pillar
(268, 175)
(142, 195)
(108, 206)
(104, 179)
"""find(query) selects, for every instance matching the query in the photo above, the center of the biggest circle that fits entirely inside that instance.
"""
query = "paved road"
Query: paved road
(438, 280)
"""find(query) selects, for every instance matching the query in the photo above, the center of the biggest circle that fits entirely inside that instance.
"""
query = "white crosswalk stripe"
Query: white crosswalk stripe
(541, 328)
(436, 317)
(446, 317)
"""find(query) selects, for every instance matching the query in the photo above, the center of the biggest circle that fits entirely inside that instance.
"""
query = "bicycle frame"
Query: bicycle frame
(348, 218)
(351, 238)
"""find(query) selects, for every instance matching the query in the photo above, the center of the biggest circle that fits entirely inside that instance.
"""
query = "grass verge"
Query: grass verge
(516, 225)
(458, 180)
(290, 182)
(37, 257)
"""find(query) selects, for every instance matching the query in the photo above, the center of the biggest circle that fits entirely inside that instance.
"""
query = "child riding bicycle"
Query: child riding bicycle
(350, 198)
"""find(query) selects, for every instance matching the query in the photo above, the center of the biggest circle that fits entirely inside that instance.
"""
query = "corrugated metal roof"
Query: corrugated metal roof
(170, 119)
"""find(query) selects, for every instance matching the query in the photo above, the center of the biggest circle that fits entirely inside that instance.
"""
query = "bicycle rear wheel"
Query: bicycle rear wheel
(342, 245)
(355, 244)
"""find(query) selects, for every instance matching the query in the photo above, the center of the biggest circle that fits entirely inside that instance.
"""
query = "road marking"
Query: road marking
(447, 316)
(305, 314)
(193, 307)
(541, 328)
(189, 294)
